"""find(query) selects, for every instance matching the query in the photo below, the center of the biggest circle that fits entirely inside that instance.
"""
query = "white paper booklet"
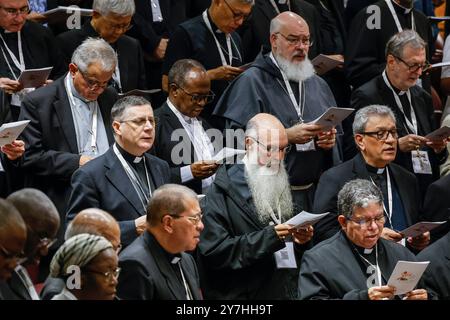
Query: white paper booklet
(305, 218)
(406, 275)
(421, 227)
(10, 131)
(439, 134)
(323, 63)
(34, 78)
(227, 153)
(333, 116)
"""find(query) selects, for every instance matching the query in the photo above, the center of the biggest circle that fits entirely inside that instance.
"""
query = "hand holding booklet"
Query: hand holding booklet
(34, 78)
(304, 219)
(10, 131)
(333, 116)
(439, 134)
(323, 63)
(420, 228)
(406, 275)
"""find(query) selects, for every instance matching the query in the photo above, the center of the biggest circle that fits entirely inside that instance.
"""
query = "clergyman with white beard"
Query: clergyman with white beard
(282, 82)
(246, 250)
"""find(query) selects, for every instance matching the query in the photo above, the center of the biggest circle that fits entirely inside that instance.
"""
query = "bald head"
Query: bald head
(37, 210)
(264, 124)
(285, 21)
(97, 222)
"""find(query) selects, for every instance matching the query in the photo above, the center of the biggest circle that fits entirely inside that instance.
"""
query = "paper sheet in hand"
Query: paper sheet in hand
(323, 64)
(439, 134)
(406, 275)
(305, 218)
(138, 92)
(333, 116)
(61, 13)
(227, 153)
(420, 227)
(10, 131)
(34, 78)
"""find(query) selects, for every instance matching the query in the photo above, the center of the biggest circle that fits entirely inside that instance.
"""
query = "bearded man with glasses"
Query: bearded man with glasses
(398, 88)
(376, 136)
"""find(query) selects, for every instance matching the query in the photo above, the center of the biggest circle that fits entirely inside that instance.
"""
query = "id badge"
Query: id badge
(285, 257)
(421, 162)
(16, 99)
(309, 146)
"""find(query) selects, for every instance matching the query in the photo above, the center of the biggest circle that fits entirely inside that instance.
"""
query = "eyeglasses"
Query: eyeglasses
(366, 223)
(295, 41)
(93, 84)
(10, 256)
(110, 275)
(237, 16)
(122, 27)
(382, 135)
(272, 149)
(198, 98)
(195, 218)
(415, 67)
(141, 122)
(16, 12)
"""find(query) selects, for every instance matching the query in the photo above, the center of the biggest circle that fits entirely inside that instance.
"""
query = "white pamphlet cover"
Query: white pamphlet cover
(34, 78)
(226, 153)
(420, 227)
(10, 131)
(333, 116)
(406, 275)
(305, 218)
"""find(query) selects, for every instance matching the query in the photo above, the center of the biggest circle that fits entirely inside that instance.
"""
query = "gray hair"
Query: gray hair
(77, 251)
(122, 8)
(121, 105)
(168, 199)
(363, 115)
(358, 193)
(399, 41)
(180, 69)
(95, 50)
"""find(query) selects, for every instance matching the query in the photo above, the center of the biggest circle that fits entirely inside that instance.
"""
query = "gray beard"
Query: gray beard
(270, 191)
(297, 72)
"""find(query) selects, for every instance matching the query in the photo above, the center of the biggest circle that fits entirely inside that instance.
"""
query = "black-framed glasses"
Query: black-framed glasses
(366, 223)
(272, 149)
(415, 67)
(294, 40)
(141, 122)
(198, 98)
(10, 256)
(93, 84)
(122, 27)
(16, 12)
(195, 218)
(237, 16)
(110, 275)
(381, 135)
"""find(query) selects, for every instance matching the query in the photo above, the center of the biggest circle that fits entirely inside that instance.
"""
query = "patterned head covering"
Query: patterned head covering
(77, 251)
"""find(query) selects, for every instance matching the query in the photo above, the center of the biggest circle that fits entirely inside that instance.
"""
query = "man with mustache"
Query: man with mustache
(246, 241)
(180, 128)
(122, 180)
(375, 135)
(397, 87)
(355, 264)
(283, 84)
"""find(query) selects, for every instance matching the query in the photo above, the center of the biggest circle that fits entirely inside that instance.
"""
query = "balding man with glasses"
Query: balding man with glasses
(375, 133)
(181, 128)
(397, 87)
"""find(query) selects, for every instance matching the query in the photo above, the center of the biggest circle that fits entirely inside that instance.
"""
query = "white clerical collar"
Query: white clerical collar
(175, 260)
(368, 251)
(380, 170)
(137, 159)
(179, 115)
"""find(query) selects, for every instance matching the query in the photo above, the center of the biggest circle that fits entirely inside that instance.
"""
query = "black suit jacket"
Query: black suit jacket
(167, 124)
(376, 92)
(51, 153)
(436, 206)
(255, 32)
(129, 53)
(147, 274)
(332, 181)
(103, 183)
(14, 289)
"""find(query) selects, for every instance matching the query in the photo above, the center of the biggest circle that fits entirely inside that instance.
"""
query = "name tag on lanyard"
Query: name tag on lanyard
(285, 258)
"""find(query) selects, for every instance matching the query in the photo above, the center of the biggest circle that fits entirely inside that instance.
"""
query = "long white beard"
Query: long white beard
(295, 71)
(270, 189)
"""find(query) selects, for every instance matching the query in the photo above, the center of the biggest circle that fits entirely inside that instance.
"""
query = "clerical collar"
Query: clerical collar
(364, 251)
(375, 170)
(396, 90)
(128, 156)
(400, 9)
(213, 25)
(178, 113)
(75, 92)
